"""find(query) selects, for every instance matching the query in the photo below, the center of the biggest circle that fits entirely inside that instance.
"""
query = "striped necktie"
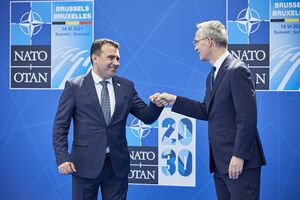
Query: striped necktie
(105, 102)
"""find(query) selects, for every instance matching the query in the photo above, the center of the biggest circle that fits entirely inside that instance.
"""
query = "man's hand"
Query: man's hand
(66, 168)
(153, 98)
(168, 99)
(157, 101)
(235, 167)
(163, 99)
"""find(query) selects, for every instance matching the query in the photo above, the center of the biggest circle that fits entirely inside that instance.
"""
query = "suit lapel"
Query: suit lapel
(208, 90)
(90, 87)
(118, 92)
(220, 75)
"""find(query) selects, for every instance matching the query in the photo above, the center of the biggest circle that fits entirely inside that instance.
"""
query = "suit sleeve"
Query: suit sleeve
(190, 108)
(61, 125)
(148, 114)
(244, 98)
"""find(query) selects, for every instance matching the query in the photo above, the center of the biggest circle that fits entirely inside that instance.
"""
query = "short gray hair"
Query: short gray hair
(215, 30)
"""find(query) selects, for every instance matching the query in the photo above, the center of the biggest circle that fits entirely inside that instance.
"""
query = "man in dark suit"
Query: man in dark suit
(99, 104)
(236, 154)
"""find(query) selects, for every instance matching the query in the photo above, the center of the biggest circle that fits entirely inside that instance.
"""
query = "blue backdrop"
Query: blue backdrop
(158, 55)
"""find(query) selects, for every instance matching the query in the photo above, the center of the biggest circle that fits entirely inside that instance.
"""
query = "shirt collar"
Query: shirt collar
(220, 60)
(98, 79)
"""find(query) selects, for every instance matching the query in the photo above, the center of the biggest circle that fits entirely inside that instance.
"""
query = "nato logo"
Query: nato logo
(30, 40)
(30, 23)
(143, 151)
(45, 54)
(248, 22)
(140, 134)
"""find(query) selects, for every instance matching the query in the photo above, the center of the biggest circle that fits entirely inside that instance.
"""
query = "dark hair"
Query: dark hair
(97, 45)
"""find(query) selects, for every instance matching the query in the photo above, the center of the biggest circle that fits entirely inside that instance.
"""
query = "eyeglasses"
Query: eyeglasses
(195, 42)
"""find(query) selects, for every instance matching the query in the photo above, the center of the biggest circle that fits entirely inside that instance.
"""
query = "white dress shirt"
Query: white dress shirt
(111, 92)
(219, 62)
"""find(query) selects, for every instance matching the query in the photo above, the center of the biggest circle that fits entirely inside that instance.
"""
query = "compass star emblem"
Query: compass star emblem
(31, 23)
(248, 21)
(139, 129)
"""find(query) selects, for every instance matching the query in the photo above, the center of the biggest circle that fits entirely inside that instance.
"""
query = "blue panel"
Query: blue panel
(158, 55)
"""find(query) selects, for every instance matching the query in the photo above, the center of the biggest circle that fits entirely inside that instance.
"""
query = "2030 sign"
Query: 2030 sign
(177, 142)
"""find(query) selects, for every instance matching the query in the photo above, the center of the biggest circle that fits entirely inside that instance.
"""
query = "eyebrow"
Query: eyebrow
(113, 56)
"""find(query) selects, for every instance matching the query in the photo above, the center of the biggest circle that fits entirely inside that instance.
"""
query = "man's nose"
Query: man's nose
(116, 62)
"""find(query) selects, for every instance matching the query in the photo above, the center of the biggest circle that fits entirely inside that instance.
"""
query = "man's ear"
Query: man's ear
(210, 42)
(94, 58)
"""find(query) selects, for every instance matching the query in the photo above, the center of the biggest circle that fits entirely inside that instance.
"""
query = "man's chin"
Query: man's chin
(112, 73)
(202, 58)
(113, 70)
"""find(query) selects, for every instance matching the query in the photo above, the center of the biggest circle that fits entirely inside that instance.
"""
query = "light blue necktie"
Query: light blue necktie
(105, 102)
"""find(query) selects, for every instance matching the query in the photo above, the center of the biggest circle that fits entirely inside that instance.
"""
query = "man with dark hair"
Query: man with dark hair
(229, 106)
(99, 104)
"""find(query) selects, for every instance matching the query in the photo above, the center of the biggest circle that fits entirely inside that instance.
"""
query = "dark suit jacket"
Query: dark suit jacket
(230, 109)
(79, 101)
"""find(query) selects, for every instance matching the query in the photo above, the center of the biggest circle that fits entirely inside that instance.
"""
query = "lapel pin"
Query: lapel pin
(118, 84)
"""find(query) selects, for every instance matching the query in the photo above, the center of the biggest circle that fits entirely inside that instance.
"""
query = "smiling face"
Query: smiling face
(106, 61)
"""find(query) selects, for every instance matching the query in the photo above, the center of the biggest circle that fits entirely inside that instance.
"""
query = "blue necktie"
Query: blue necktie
(213, 69)
(105, 102)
